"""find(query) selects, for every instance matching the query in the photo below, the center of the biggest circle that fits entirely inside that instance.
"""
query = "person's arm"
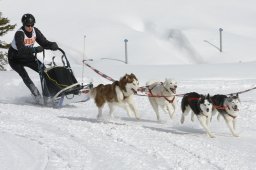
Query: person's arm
(42, 41)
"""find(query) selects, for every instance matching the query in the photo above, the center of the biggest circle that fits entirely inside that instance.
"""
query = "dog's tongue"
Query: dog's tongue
(173, 90)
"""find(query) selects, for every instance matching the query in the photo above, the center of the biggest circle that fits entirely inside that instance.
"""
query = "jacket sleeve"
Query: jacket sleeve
(23, 51)
(41, 40)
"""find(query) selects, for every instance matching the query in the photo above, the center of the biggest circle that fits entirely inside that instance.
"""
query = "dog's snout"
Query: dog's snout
(235, 107)
(207, 110)
(175, 86)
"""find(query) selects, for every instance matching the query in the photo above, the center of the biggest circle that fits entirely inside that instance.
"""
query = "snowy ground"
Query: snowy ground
(35, 137)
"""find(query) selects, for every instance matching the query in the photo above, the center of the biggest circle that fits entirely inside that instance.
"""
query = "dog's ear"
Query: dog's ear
(125, 77)
(166, 82)
(237, 96)
(202, 97)
(133, 76)
(208, 96)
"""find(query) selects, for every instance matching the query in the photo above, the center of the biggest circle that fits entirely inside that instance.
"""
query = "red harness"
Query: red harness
(224, 108)
(165, 97)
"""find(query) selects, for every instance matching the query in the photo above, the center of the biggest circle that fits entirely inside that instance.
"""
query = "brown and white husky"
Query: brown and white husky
(118, 93)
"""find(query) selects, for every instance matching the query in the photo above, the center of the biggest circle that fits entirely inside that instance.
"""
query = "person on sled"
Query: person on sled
(22, 51)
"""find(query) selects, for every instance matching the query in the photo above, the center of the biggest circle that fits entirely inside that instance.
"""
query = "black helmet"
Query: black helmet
(28, 19)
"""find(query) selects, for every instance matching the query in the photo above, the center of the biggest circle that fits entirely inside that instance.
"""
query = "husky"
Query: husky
(118, 93)
(201, 106)
(163, 95)
(228, 107)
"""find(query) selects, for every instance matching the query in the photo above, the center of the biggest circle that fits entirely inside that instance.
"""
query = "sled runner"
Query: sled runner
(58, 82)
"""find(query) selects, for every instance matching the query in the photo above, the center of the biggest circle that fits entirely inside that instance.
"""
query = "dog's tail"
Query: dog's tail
(93, 92)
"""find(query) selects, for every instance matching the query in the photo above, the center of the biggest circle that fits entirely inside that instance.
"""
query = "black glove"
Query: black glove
(38, 49)
(54, 46)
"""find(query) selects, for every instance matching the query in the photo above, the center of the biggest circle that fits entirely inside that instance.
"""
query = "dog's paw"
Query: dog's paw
(182, 119)
(161, 121)
(137, 118)
(99, 117)
(235, 135)
(211, 135)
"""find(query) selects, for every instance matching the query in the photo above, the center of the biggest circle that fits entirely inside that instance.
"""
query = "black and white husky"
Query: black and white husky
(201, 106)
(228, 107)
(162, 94)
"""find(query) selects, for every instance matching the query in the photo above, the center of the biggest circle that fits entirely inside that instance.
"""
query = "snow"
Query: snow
(33, 137)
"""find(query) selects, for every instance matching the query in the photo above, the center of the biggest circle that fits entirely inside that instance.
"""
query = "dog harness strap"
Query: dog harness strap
(164, 87)
(150, 90)
(193, 98)
(170, 101)
(220, 107)
(231, 115)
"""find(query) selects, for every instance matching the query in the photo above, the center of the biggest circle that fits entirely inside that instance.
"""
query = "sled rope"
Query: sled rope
(141, 89)
(54, 81)
(244, 91)
(100, 73)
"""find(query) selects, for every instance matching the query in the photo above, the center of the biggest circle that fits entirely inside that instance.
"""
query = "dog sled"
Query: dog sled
(59, 83)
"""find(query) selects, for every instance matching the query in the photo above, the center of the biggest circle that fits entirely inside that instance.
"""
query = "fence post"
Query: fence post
(126, 53)
(220, 39)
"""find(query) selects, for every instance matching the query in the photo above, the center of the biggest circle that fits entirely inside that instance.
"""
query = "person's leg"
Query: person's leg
(36, 65)
(19, 68)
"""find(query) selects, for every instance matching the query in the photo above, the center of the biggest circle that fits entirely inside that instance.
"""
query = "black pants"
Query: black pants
(19, 68)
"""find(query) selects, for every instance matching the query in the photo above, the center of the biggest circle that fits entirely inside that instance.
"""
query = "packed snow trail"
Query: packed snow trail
(72, 137)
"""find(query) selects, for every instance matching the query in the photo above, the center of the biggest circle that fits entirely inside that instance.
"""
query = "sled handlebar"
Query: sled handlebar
(64, 56)
(66, 62)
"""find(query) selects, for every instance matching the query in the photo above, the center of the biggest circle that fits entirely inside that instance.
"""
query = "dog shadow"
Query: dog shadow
(79, 119)
(173, 131)
(136, 120)
(188, 130)
(91, 120)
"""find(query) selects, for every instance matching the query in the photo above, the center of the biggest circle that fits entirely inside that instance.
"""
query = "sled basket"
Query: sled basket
(58, 81)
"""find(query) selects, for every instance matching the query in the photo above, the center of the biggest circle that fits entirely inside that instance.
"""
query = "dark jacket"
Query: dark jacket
(24, 53)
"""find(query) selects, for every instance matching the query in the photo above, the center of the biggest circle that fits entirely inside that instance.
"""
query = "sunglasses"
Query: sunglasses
(30, 25)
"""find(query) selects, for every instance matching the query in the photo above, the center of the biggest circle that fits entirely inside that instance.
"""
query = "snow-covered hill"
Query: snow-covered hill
(158, 32)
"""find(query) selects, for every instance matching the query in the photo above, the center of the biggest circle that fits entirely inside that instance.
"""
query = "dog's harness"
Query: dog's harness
(221, 107)
(165, 97)
(231, 115)
(224, 108)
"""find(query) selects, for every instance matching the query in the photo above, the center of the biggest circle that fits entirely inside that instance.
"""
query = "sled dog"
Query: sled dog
(118, 93)
(201, 106)
(162, 95)
(228, 107)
